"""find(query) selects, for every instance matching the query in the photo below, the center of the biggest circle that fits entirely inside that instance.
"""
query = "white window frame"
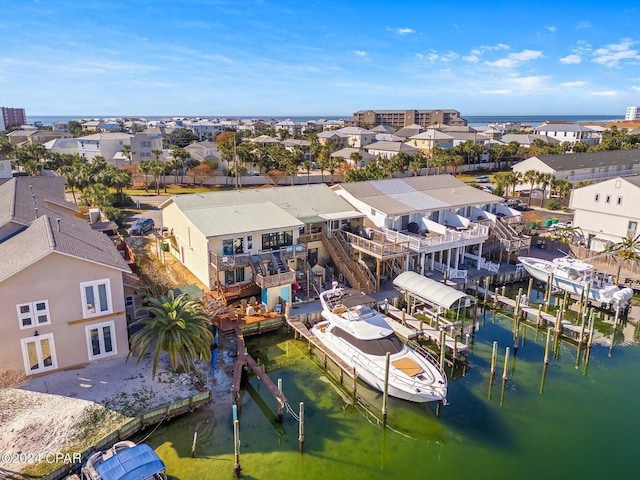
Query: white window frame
(99, 327)
(97, 309)
(38, 341)
(33, 314)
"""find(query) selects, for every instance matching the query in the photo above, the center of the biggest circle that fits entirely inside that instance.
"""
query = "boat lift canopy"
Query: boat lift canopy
(131, 464)
(432, 292)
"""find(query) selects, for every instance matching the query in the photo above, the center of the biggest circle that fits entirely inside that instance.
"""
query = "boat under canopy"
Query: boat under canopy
(432, 292)
(131, 464)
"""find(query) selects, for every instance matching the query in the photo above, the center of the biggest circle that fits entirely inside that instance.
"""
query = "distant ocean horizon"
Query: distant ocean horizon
(472, 120)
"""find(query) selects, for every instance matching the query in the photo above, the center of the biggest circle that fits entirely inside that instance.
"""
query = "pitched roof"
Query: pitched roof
(347, 151)
(37, 203)
(412, 194)
(391, 147)
(73, 237)
(432, 134)
(562, 127)
(302, 202)
(573, 161)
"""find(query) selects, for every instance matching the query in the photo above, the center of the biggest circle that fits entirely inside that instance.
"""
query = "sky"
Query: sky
(318, 58)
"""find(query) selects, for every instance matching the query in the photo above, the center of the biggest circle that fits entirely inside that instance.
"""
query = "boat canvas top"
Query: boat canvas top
(135, 463)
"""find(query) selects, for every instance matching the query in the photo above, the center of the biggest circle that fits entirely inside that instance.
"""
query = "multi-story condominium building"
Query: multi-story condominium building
(12, 117)
(402, 118)
(204, 128)
(633, 113)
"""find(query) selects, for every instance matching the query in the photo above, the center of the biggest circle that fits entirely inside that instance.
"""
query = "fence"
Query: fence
(133, 426)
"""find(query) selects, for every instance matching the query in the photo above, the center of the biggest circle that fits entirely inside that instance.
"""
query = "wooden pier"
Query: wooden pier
(245, 359)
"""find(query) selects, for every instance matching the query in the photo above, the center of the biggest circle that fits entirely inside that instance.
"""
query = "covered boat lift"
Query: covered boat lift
(425, 290)
(139, 462)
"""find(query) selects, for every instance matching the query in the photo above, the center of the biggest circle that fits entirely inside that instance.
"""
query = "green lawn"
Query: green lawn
(174, 190)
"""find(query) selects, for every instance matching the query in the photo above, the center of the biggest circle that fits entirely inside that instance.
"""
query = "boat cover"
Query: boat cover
(139, 462)
(431, 291)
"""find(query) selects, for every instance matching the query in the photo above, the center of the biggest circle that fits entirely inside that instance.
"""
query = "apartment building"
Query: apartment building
(402, 118)
(12, 117)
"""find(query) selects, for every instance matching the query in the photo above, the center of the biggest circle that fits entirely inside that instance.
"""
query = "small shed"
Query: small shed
(431, 292)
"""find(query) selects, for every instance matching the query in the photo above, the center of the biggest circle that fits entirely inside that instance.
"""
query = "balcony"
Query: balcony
(284, 278)
(229, 262)
(434, 242)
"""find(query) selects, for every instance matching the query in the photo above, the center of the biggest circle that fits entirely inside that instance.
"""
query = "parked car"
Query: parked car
(483, 179)
(141, 226)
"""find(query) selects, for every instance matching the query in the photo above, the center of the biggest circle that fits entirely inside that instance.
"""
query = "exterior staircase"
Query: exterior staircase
(511, 240)
(358, 275)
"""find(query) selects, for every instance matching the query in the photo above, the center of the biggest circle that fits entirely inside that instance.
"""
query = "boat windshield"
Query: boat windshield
(377, 347)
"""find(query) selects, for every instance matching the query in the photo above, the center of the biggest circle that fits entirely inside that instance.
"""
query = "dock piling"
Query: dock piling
(236, 447)
(193, 445)
(279, 417)
(494, 355)
(442, 347)
(301, 427)
(385, 392)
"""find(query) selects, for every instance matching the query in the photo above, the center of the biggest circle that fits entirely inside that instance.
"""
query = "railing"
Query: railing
(226, 262)
(394, 248)
(284, 278)
(487, 265)
(418, 244)
(294, 251)
(310, 237)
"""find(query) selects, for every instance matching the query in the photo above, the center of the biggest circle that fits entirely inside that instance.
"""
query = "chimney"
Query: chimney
(58, 222)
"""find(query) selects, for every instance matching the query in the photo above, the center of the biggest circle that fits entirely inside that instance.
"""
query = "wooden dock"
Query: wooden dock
(245, 359)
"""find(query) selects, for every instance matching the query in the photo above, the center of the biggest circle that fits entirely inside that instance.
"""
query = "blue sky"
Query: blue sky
(218, 57)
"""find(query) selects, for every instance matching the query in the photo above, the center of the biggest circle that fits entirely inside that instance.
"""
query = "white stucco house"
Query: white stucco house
(568, 132)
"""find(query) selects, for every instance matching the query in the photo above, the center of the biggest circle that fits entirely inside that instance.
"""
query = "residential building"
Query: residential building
(5, 169)
(204, 129)
(339, 139)
(61, 282)
(345, 155)
(577, 167)
(60, 126)
(12, 117)
(568, 132)
(431, 138)
(526, 140)
(606, 212)
(102, 144)
(356, 137)
(403, 118)
(62, 145)
(256, 241)
(424, 223)
(632, 113)
(386, 149)
(292, 144)
(202, 151)
(143, 145)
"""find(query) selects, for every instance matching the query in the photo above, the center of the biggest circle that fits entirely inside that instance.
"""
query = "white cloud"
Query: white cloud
(577, 83)
(584, 24)
(497, 92)
(432, 56)
(571, 59)
(515, 59)
(635, 88)
(361, 53)
(551, 28)
(476, 53)
(528, 84)
(604, 93)
(611, 55)
(401, 30)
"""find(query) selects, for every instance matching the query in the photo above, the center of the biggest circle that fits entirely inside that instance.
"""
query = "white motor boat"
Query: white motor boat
(576, 276)
(361, 337)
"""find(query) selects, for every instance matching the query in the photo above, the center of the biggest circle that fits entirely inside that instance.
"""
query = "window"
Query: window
(250, 242)
(101, 341)
(129, 301)
(276, 240)
(619, 202)
(608, 199)
(33, 314)
(631, 229)
(597, 198)
(38, 353)
(234, 276)
(96, 298)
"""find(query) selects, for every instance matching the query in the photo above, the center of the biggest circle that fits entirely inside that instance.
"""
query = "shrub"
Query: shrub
(552, 204)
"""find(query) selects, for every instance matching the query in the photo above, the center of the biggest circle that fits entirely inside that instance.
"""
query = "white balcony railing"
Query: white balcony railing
(451, 239)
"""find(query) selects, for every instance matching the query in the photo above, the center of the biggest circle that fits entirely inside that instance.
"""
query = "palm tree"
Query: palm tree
(627, 250)
(530, 177)
(545, 180)
(126, 151)
(307, 166)
(178, 326)
(145, 167)
(562, 187)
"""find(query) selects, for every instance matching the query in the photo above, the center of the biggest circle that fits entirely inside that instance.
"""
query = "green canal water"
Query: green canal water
(582, 423)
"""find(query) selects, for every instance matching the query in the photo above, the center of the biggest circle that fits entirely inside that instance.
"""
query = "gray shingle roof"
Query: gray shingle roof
(573, 161)
(19, 199)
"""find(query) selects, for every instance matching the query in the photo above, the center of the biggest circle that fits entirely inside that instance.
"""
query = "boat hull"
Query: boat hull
(365, 370)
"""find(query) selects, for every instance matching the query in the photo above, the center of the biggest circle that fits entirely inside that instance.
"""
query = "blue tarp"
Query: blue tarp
(134, 463)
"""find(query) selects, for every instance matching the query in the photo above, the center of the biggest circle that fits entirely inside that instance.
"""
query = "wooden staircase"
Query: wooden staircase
(356, 274)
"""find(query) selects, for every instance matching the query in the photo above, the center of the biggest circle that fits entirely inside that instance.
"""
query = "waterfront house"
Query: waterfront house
(607, 211)
(257, 241)
(102, 144)
(427, 223)
(61, 282)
